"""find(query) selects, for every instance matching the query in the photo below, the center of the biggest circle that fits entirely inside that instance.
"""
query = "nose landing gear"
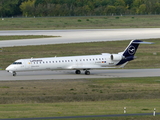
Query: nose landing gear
(14, 73)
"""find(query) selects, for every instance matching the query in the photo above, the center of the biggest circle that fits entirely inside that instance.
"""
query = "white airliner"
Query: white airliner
(77, 63)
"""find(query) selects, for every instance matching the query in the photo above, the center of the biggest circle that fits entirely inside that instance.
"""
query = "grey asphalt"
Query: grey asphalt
(69, 74)
(80, 35)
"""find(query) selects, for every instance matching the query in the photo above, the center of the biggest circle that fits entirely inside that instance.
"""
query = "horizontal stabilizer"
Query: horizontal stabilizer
(142, 42)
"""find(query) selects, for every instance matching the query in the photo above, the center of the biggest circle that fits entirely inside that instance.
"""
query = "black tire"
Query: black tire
(87, 72)
(78, 72)
(14, 73)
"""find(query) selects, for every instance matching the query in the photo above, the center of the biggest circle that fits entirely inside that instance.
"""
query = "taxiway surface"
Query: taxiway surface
(77, 36)
(69, 74)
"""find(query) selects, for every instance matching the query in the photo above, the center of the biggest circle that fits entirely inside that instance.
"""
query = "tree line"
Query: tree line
(77, 7)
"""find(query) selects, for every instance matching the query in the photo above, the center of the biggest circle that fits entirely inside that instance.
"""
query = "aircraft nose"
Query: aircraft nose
(9, 68)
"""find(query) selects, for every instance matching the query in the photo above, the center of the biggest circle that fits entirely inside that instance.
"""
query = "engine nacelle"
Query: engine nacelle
(116, 57)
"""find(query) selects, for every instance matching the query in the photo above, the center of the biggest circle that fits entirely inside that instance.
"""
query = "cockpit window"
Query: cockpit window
(17, 63)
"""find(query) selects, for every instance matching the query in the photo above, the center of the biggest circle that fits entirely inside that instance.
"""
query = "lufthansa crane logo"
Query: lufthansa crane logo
(131, 50)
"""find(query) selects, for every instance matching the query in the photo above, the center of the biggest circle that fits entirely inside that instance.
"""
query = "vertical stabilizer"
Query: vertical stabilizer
(129, 52)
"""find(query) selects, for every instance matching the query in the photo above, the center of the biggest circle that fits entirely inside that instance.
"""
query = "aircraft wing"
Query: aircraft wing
(93, 67)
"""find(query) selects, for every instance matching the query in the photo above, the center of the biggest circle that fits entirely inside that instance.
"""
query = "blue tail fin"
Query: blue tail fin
(131, 48)
(128, 53)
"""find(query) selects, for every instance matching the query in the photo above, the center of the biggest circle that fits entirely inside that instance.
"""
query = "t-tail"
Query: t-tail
(129, 52)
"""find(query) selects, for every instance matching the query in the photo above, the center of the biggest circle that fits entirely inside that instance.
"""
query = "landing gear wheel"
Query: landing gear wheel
(78, 72)
(87, 72)
(14, 73)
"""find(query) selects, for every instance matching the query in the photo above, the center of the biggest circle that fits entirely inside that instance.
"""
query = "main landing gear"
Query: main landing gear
(79, 72)
(87, 72)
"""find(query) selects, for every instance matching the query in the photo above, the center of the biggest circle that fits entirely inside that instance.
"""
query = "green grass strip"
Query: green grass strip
(16, 37)
(78, 108)
(85, 22)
